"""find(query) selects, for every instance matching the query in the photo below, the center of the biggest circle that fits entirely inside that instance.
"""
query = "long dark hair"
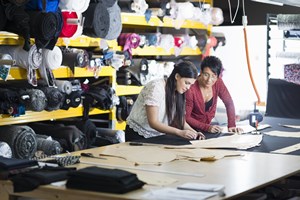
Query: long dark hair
(175, 102)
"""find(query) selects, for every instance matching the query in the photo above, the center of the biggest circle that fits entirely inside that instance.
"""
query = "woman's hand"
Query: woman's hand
(235, 130)
(215, 129)
(191, 135)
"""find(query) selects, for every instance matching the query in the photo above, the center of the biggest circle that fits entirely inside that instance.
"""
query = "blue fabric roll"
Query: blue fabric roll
(37, 5)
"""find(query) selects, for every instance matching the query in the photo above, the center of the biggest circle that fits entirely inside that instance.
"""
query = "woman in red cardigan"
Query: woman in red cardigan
(201, 99)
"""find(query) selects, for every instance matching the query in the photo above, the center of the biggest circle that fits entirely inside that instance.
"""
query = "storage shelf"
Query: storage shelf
(31, 116)
(139, 20)
(159, 51)
(85, 41)
(17, 73)
(122, 90)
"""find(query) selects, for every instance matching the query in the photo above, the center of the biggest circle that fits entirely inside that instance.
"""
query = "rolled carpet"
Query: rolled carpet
(21, 139)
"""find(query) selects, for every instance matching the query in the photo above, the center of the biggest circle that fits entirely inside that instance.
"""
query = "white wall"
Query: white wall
(233, 56)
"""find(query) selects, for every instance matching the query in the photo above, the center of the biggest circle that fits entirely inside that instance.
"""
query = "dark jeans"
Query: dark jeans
(131, 135)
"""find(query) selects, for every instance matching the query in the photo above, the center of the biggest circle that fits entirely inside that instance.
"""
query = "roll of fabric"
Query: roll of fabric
(70, 24)
(75, 57)
(52, 58)
(50, 6)
(18, 22)
(19, 2)
(72, 100)
(166, 41)
(21, 139)
(3, 18)
(54, 98)
(5, 150)
(115, 22)
(48, 146)
(109, 3)
(64, 86)
(30, 60)
(43, 27)
(129, 41)
(288, 21)
(97, 20)
(5, 68)
(37, 100)
(74, 5)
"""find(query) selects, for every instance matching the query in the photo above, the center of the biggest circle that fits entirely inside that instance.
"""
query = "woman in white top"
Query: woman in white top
(160, 106)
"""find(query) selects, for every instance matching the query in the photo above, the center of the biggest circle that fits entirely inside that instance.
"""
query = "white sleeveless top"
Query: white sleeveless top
(153, 94)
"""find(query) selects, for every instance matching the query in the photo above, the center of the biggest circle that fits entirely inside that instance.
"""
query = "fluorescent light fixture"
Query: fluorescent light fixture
(269, 2)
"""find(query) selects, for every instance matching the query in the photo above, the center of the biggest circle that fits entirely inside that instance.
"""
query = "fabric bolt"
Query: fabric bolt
(37, 100)
(54, 98)
(115, 24)
(292, 73)
(48, 146)
(166, 41)
(69, 137)
(43, 27)
(9, 101)
(5, 150)
(72, 100)
(3, 18)
(52, 58)
(75, 58)
(64, 86)
(15, 163)
(21, 139)
(19, 2)
(74, 5)
(5, 68)
(70, 24)
(97, 20)
(30, 180)
(18, 22)
(50, 6)
(151, 39)
(104, 180)
(129, 41)
(59, 19)
(29, 60)
(109, 3)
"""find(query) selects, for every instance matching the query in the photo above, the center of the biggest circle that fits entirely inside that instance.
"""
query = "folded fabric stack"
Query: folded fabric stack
(104, 180)
(13, 166)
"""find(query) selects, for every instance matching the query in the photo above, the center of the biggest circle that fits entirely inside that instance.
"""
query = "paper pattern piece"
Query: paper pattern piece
(157, 180)
(290, 126)
(283, 134)
(289, 149)
(141, 154)
(234, 141)
(247, 128)
(173, 193)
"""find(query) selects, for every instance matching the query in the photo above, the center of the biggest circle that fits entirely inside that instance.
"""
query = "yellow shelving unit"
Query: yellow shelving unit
(128, 90)
(159, 51)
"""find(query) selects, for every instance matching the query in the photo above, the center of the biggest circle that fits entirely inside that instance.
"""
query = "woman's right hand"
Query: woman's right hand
(215, 129)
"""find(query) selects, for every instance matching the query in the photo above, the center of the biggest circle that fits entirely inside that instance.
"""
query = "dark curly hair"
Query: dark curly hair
(212, 63)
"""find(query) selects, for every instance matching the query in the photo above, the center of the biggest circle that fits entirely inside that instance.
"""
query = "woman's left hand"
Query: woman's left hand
(200, 136)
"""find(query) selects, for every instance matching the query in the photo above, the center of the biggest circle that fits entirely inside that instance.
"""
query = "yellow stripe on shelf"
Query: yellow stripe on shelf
(139, 20)
(17, 73)
(128, 90)
(84, 41)
(31, 116)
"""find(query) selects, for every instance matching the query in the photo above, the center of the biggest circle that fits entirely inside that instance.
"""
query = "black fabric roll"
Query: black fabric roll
(18, 22)
(97, 20)
(3, 19)
(69, 137)
(54, 97)
(43, 27)
(75, 58)
(59, 27)
(21, 139)
(49, 147)
(72, 100)
(37, 100)
(19, 2)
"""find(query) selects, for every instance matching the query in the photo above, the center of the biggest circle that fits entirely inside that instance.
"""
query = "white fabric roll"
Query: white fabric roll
(64, 86)
(53, 58)
(5, 150)
(74, 5)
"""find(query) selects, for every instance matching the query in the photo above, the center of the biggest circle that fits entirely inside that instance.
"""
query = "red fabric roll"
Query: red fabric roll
(68, 29)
